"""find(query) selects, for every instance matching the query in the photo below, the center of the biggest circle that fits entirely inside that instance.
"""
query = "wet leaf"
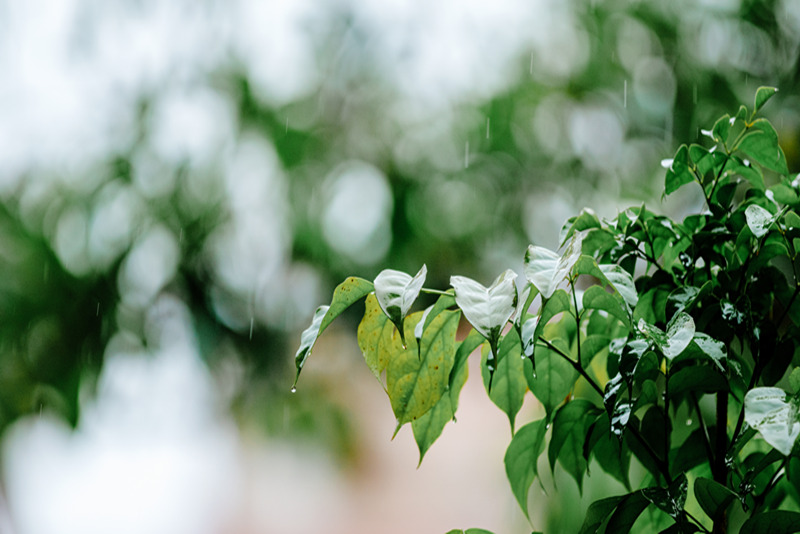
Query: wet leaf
(429, 426)
(770, 412)
(598, 512)
(375, 336)
(680, 332)
(763, 94)
(713, 497)
(487, 309)
(396, 291)
(678, 171)
(761, 145)
(508, 385)
(307, 340)
(772, 522)
(546, 269)
(348, 292)
(570, 427)
(521, 460)
(758, 219)
(417, 378)
(555, 378)
(794, 380)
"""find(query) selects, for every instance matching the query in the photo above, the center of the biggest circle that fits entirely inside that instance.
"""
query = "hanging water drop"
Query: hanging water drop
(294, 389)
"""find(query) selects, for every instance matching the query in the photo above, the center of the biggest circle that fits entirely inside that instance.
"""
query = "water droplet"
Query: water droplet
(689, 422)
(534, 374)
(625, 94)
(294, 389)
(466, 155)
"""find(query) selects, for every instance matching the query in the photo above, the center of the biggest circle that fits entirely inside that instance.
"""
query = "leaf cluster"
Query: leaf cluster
(667, 344)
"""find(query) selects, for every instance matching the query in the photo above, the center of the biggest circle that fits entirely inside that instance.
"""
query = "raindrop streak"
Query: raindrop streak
(487, 127)
(625, 94)
(531, 63)
(694, 94)
(97, 311)
(251, 328)
(287, 125)
(466, 155)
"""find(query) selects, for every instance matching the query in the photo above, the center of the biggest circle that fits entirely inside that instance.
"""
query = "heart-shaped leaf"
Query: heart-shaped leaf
(680, 332)
(758, 219)
(396, 292)
(487, 309)
(776, 418)
(545, 269)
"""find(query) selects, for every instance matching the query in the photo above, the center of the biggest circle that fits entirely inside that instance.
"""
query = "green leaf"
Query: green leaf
(794, 380)
(417, 378)
(713, 497)
(428, 427)
(375, 336)
(772, 522)
(598, 512)
(546, 269)
(558, 303)
(477, 531)
(776, 418)
(670, 500)
(307, 340)
(521, 460)
(597, 298)
(622, 282)
(705, 345)
(761, 145)
(345, 294)
(627, 512)
(680, 332)
(396, 291)
(758, 219)
(555, 378)
(762, 95)
(509, 385)
(722, 128)
(487, 309)
(698, 378)
(570, 427)
(678, 171)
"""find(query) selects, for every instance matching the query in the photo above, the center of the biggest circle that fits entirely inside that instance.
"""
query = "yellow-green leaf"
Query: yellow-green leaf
(417, 377)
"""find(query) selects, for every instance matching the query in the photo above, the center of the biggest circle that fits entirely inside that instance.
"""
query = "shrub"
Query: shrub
(671, 344)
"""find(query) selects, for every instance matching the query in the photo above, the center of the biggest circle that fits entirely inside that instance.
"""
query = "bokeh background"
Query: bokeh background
(183, 182)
